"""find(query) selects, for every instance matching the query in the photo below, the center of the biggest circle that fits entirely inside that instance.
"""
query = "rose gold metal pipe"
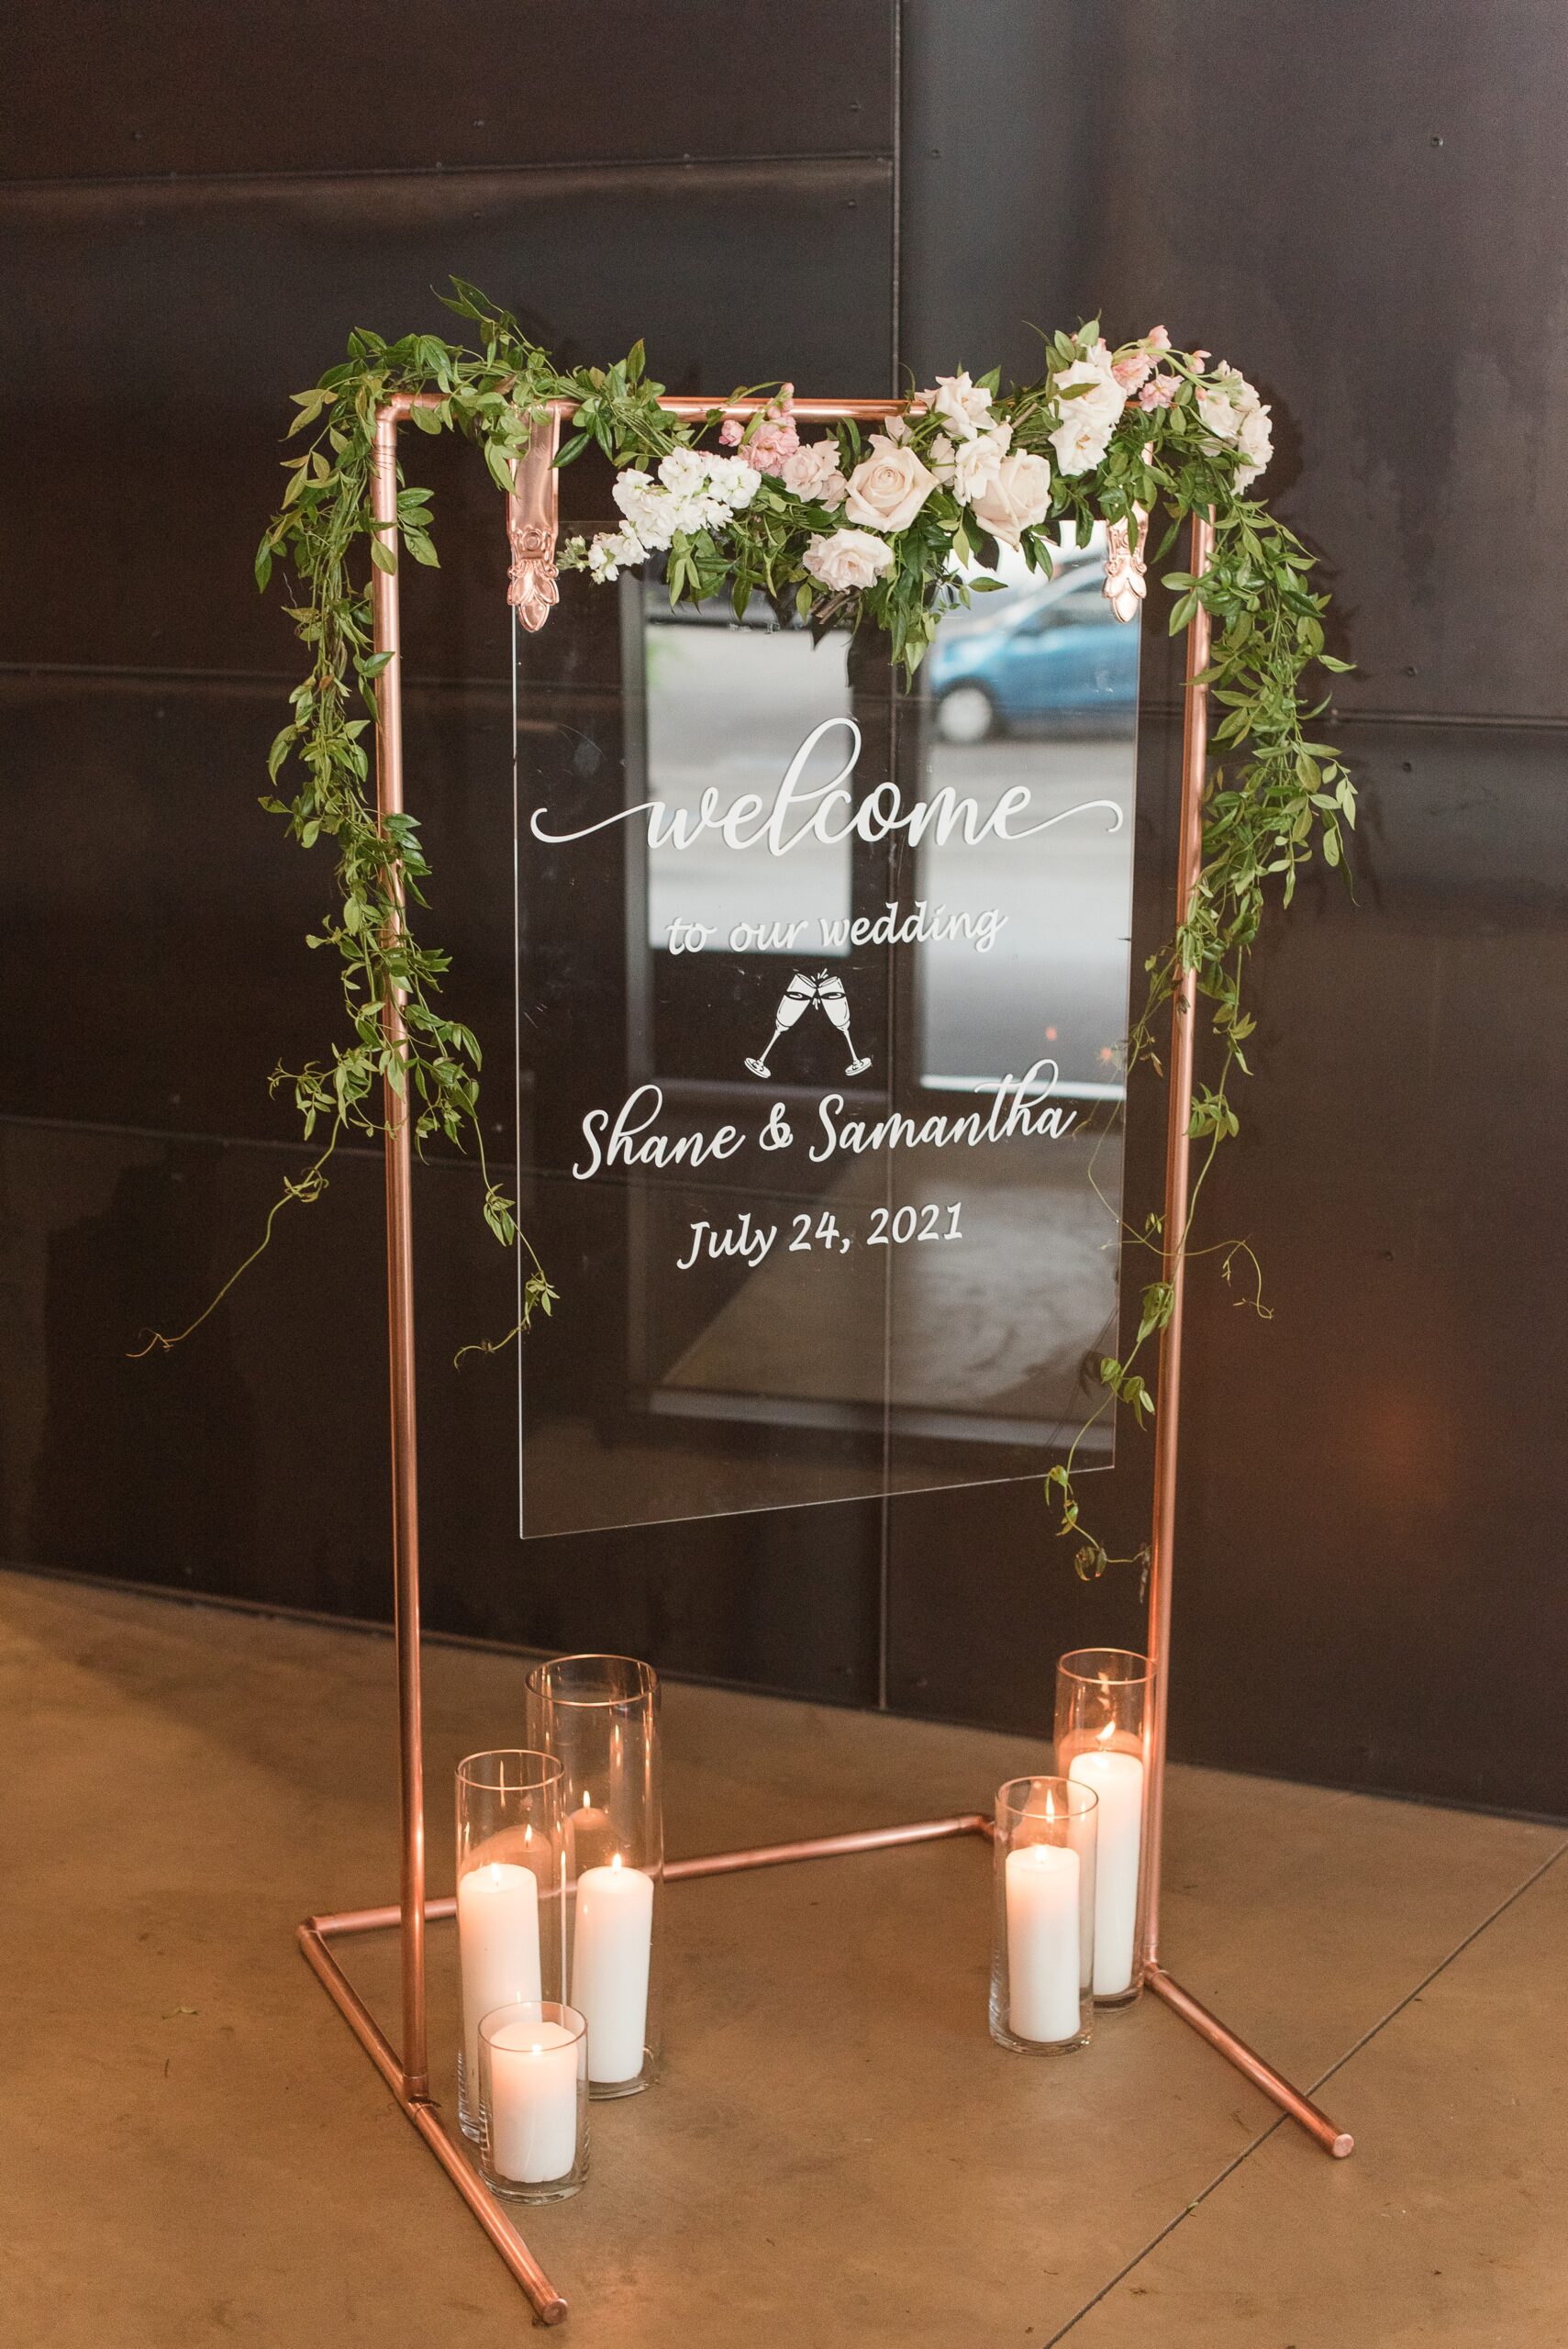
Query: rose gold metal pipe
(1167, 1426)
(339, 1922)
(400, 1296)
(1330, 2135)
(828, 1847)
(426, 2119)
(689, 405)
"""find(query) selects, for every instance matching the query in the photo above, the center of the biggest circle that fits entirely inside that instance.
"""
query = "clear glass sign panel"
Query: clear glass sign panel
(821, 994)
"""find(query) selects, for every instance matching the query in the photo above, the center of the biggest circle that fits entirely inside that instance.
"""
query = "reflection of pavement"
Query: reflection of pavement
(1063, 960)
(995, 1324)
(726, 709)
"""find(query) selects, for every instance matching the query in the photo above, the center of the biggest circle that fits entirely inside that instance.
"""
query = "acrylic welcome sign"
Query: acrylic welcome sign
(821, 994)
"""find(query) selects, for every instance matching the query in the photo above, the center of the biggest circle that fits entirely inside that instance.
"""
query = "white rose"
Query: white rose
(812, 471)
(1255, 439)
(849, 558)
(1230, 408)
(961, 405)
(971, 465)
(1080, 440)
(1102, 396)
(889, 488)
(1216, 407)
(1088, 420)
(1017, 499)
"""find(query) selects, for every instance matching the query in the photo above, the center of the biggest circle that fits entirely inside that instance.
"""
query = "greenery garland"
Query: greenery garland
(848, 533)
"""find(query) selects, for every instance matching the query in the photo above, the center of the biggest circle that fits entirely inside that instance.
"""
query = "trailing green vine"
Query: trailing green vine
(882, 529)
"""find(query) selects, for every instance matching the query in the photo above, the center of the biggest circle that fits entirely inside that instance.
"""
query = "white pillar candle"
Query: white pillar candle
(533, 2103)
(1117, 1780)
(1043, 1967)
(497, 1936)
(612, 1946)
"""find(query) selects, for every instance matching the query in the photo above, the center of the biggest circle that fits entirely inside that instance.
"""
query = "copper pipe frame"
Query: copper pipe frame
(533, 505)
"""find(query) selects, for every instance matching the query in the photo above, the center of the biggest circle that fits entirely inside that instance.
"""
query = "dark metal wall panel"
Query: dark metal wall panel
(1359, 207)
(251, 1461)
(272, 86)
(138, 489)
(713, 183)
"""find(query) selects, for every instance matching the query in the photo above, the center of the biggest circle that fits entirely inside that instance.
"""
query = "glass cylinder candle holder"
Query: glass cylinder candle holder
(1103, 1705)
(510, 1896)
(599, 1716)
(533, 2100)
(1042, 1951)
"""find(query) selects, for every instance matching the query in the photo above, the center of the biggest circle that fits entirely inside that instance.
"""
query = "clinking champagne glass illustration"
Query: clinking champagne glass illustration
(835, 1004)
(800, 992)
(829, 994)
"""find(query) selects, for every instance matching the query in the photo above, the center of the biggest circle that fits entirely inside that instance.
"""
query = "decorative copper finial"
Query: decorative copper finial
(533, 525)
(1125, 585)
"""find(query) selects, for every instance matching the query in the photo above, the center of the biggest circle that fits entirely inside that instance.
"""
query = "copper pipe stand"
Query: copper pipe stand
(551, 2305)
(532, 516)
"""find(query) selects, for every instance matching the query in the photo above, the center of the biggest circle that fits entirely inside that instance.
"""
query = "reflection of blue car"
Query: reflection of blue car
(1055, 656)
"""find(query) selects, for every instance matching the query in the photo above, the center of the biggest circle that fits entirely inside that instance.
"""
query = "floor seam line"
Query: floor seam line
(1442, 1964)
(1169, 2228)
(1371, 2032)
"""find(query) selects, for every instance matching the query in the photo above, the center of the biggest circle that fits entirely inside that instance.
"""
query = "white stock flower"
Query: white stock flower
(887, 490)
(732, 480)
(646, 506)
(695, 492)
(1017, 498)
(963, 406)
(848, 559)
(813, 472)
(683, 471)
(611, 553)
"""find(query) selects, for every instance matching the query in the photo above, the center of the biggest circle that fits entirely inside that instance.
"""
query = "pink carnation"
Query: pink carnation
(729, 431)
(769, 445)
(1157, 340)
(1159, 392)
(1133, 370)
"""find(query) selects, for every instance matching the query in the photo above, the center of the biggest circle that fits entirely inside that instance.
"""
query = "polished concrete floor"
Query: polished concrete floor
(194, 2150)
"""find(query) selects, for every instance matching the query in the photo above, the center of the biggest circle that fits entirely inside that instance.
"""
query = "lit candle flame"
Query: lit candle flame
(1106, 1734)
(616, 1862)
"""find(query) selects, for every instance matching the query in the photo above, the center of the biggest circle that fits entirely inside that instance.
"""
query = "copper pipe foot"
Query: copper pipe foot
(1297, 2107)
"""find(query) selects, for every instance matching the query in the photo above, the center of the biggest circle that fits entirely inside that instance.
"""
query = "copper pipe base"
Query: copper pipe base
(549, 2304)
(316, 1931)
(1298, 2108)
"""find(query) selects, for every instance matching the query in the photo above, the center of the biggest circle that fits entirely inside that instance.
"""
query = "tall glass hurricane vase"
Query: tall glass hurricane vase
(598, 1715)
(510, 1896)
(1103, 1712)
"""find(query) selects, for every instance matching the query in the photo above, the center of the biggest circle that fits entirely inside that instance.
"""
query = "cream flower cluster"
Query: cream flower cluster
(1230, 407)
(1007, 490)
(1090, 414)
(971, 457)
(696, 490)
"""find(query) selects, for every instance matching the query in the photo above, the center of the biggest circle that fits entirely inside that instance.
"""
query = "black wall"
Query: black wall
(1362, 209)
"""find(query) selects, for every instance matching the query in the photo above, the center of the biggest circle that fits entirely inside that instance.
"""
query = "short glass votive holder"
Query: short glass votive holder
(599, 1716)
(533, 2100)
(1042, 1951)
(1104, 1697)
(510, 1897)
